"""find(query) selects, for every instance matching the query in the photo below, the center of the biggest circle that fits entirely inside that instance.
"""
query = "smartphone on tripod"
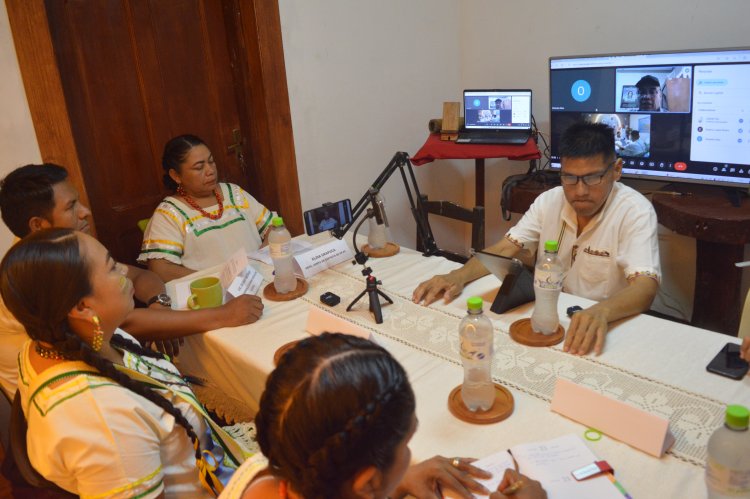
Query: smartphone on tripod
(328, 217)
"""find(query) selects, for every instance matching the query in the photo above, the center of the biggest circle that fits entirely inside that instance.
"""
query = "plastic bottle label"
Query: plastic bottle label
(727, 481)
(280, 250)
(473, 350)
(547, 280)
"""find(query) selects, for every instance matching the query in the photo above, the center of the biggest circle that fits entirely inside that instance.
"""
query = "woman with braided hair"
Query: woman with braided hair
(335, 421)
(105, 417)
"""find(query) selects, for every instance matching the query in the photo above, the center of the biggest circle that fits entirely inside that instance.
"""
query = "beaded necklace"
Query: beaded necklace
(189, 200)
(50, 353)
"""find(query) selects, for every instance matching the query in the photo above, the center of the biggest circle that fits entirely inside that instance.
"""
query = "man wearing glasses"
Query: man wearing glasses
(606, 233)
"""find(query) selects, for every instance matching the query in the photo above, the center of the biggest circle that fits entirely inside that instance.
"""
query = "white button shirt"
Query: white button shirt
(618, 244)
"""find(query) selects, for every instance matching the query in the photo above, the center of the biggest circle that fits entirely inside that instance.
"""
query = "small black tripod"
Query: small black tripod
(372, 293)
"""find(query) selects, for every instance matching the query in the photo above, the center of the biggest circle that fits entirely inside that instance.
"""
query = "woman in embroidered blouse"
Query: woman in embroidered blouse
(335, 421)
(105, 417)
(206, 221)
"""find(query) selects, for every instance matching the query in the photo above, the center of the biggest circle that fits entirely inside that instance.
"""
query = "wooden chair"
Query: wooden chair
(5, 408)
(142, 224)
(474, 216)
(20, 458)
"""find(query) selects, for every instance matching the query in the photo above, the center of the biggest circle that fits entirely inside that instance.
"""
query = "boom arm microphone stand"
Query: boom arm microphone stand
(399, 161)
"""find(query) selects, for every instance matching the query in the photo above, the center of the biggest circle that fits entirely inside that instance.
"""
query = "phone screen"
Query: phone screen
(328, 217)
(728, 362)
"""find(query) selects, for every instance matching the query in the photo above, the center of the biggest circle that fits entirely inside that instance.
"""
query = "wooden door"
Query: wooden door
(135, 73)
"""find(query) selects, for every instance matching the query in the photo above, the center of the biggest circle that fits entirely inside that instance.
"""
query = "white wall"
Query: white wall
(364, 78)
(17, 139)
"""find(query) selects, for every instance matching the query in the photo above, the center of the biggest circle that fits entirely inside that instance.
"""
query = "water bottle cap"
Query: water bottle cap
(277, 222)
(737, 416)
(550, 246)
(474, 303)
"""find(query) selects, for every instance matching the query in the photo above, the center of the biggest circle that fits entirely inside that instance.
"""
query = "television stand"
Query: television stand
(735, 195)
(721, 230)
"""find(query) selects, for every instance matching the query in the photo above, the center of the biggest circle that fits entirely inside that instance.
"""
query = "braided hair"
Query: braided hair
(175, 152)
(53, 256)
(335, 405)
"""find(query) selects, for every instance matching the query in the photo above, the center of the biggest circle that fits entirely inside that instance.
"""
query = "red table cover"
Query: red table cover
(435, 148)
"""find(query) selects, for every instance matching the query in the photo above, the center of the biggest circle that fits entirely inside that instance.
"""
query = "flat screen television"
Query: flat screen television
(681, 116)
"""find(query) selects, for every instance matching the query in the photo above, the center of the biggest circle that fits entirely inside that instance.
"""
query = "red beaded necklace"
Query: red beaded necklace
(189, 200)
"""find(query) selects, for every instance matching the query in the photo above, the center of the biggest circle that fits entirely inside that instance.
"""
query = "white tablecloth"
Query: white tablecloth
(656, 364)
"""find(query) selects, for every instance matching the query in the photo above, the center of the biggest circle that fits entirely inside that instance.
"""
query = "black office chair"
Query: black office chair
(474, 216)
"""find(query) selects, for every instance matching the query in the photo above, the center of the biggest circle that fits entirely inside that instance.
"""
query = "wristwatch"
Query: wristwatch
(162, 299)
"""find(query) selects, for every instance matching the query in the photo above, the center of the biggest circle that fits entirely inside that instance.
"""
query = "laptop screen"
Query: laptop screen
(497, 109)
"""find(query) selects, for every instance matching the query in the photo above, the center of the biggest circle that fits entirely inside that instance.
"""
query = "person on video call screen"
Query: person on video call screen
(649, 94)
(328, 222)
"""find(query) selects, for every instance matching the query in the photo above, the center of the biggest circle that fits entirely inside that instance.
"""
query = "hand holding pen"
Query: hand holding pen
(518, 486)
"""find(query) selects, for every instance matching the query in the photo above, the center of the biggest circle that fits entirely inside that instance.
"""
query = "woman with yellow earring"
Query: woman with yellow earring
(106, 418)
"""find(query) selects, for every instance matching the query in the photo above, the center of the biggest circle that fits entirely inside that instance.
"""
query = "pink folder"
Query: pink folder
(619, 420)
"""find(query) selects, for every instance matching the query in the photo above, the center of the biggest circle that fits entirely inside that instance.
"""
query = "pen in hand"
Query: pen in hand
(516, 485)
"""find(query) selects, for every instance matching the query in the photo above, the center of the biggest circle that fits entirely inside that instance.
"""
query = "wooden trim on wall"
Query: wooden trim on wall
(266, 91)
(44, 91)
(258, 30)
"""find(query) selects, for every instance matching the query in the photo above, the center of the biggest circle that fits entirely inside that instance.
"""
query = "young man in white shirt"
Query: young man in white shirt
(606, 233)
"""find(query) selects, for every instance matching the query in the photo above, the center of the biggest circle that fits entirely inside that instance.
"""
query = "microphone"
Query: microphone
(378, 206)
(376, 237)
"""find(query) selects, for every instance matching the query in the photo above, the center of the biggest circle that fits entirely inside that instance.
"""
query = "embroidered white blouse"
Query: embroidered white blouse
(619, 244)
(180, 234)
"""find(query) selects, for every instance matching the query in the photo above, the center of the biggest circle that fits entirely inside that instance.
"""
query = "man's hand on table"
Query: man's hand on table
(446, 285)
(588, 329)
(426, 479)
(745, 350)
(244, 309)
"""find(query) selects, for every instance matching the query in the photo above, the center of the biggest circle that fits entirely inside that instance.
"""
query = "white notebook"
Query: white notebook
(550, 463)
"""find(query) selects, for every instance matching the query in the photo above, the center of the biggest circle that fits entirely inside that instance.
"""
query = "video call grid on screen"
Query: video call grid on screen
(497, 109)
(690, 109)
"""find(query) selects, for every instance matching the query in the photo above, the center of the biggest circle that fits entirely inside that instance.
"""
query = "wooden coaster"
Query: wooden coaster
(389, 249)
(282, 350)
(522, 333)
(270, 293)
(501, 408)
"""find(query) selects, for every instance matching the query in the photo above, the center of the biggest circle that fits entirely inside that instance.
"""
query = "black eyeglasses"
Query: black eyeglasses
(593, 179)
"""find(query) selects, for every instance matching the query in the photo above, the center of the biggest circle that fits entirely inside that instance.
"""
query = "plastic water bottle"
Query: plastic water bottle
(728, 463)
(548, 278)
(280, 243)
(475, 332)
(376, 237)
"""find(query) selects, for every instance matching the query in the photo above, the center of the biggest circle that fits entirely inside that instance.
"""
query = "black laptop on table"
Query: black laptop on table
(496, 117)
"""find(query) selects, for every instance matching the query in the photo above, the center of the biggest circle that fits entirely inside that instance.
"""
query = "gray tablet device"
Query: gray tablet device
(518, 281)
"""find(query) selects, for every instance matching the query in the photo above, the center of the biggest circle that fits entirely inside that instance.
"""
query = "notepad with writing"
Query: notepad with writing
(551, 463)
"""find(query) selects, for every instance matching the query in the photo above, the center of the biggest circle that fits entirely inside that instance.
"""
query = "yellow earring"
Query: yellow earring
(96, 342)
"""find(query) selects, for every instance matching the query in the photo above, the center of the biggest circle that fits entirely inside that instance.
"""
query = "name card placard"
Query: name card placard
(617, 419)
(322, 257)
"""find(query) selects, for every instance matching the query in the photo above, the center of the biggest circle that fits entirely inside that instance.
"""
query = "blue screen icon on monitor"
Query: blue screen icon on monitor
(580, 90)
